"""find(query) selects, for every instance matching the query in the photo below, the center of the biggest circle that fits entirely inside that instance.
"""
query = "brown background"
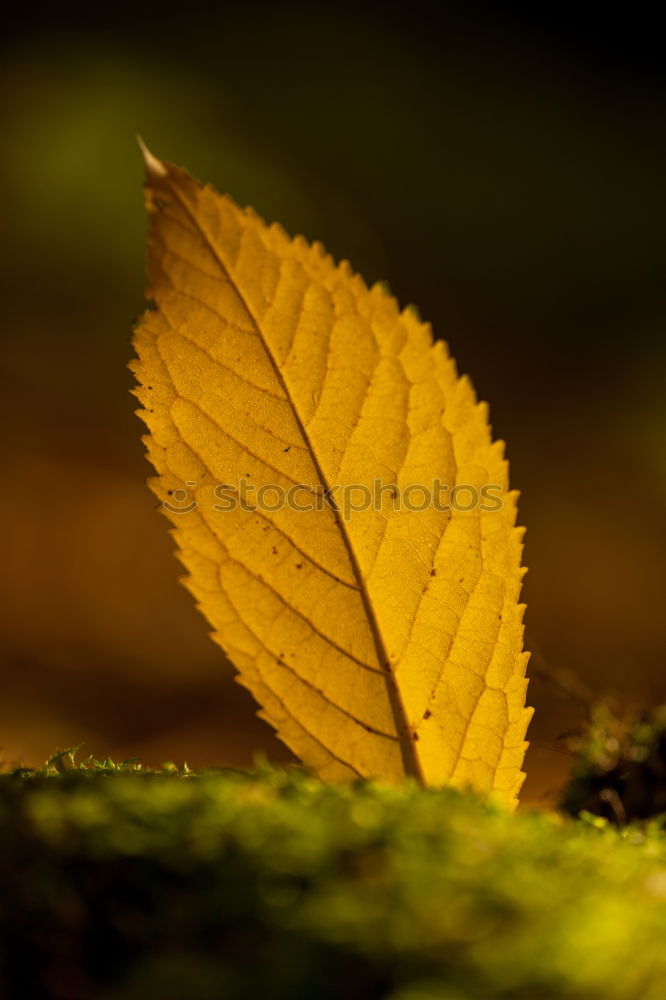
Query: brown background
(504, 171)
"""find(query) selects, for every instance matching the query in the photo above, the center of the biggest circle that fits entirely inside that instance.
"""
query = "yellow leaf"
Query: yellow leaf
(381, 637)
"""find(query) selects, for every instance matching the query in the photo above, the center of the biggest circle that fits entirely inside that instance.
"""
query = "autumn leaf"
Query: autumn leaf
(337, 500)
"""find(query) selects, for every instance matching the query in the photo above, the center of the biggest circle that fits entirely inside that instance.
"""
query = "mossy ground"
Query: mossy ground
(121, 883)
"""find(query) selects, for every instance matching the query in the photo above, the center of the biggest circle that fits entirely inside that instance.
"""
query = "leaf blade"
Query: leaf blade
(272, 362)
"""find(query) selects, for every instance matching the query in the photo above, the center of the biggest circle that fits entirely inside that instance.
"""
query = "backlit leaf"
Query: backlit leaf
(384, 641)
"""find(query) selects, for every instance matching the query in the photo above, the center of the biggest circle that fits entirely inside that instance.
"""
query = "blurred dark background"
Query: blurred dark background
(502, 168)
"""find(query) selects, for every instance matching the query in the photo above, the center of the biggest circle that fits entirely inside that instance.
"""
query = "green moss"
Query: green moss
(120, 883)
(619, 767)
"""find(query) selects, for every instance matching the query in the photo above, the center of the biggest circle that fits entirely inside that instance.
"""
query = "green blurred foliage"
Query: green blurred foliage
(619, 767)
(119, 883)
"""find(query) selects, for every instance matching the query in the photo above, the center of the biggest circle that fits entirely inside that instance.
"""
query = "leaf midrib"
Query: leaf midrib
(410, 757)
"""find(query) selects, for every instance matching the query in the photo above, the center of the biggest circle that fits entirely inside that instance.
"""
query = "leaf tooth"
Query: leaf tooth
(466, 388)
(252, 216)
(299, 241)
(412, 311)
(411, 318)
(318, 250)
(499, 445)
(277, 230)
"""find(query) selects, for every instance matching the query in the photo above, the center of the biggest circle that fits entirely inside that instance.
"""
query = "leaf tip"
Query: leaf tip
(154, 168)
